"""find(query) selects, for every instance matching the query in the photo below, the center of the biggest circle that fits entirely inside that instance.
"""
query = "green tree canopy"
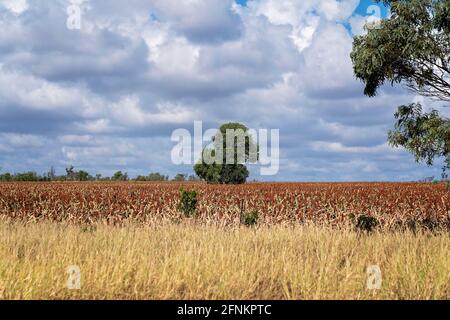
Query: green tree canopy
(425, 135)
(224, 161)
(180, 177)
(120, 176)
(82, 176)
(153, 176)
(411, 47)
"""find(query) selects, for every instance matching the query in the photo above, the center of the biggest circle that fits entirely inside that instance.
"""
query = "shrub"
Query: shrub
(6, 177)
(366, 223)
(180, 177)
(154, 176)
(250, 218)
(429, 224)
(88, 228)
(120, 176)
(188, 202)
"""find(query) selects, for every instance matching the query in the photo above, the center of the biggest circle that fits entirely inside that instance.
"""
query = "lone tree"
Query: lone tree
(224, 160)
(411, 47)
(120, 176)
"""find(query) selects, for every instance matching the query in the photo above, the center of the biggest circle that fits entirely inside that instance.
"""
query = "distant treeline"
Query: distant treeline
(81, 175)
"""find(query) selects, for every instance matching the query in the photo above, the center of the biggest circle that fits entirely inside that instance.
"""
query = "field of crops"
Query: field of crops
(132, 241)
(394, 205)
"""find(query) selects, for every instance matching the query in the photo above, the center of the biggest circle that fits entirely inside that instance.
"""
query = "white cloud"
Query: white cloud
(174, 57)
(358, 164)
(199, 20)
(95, 126)
(129, 112)
(347, 132)
(338, 10)
(14, 140)
(340, 148)
(15, 6)
(73, 139)
(327, 64)
(38, 94)
(303, 15)
(357, 24)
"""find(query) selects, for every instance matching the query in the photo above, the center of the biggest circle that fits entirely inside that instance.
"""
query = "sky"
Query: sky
(107, 96)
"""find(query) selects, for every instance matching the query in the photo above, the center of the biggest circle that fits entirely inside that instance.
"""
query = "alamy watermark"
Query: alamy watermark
(235, 147)
(375, 16)
(73, 10)
(373, 277)
(74, 279)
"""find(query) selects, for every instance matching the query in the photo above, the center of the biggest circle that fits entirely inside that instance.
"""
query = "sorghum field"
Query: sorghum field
(394, 205)
(311, 241)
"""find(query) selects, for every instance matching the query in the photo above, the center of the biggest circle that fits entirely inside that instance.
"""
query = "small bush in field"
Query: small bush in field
(250, 218)
(366, 223)
(188, 202)
(88, 228)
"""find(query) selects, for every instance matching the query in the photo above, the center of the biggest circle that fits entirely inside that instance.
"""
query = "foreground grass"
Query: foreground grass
(201, 262)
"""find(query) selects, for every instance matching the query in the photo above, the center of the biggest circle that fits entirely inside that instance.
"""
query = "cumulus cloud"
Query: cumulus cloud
(340, 148)
(201, 21)
(304, 17)
(15, 6)
(108, 96)
(129, 113)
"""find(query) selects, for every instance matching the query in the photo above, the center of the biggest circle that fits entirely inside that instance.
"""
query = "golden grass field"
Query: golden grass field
(188, 261)
(130, 241)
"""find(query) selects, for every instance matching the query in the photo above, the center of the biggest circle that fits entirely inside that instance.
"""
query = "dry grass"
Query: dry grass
(190, 261)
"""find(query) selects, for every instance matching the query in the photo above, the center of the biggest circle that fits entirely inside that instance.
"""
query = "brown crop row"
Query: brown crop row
(335, 204)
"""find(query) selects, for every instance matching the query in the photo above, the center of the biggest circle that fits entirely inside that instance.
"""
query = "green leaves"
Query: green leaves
(412, 46)
(224, 162)
(208, 172)
(250, 219)
(188, 202)
(425, 135)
